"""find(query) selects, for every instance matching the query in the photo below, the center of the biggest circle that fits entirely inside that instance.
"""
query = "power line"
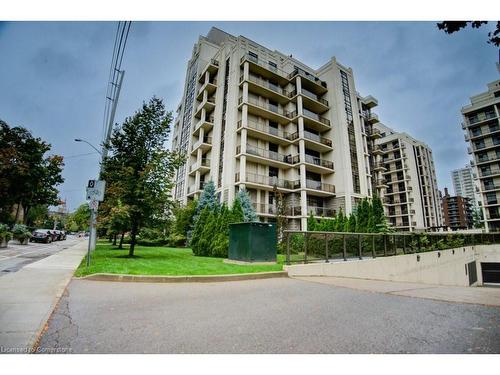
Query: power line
(115, 75)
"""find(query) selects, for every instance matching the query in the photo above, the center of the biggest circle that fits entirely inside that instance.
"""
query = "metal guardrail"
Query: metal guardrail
(304, 246)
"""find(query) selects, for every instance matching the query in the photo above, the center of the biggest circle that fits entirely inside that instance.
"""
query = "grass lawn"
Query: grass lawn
(162, 261)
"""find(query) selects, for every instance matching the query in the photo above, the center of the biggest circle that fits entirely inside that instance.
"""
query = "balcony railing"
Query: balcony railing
(490, 172)
(268, 181)
(309, 95)
(267, 106)
(269, 85)
(205, 162)
(312, 137)
(309, 76)
(271, 209)
(318, 161)
(318, 185)
(320, 211)
(267, 154)
(265, 129)
(264, 64)
(206, 140)
(484, 145)
(315, 116)
(482, 117)
(193, 188)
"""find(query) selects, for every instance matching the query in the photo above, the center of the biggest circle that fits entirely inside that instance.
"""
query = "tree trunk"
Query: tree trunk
(114, 239)
(121, 241)
(17, 213)
(133, 233)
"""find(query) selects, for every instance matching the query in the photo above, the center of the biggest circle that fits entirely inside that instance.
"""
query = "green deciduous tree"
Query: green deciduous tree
(140, 166)
(28, 177)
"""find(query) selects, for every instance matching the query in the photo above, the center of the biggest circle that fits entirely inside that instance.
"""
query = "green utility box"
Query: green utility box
(252, 242)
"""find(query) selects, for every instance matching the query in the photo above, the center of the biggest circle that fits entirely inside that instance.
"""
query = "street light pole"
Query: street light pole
(93, 213)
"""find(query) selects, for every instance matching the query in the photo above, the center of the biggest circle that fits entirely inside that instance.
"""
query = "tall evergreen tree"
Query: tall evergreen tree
(246, 205)
(237, 214)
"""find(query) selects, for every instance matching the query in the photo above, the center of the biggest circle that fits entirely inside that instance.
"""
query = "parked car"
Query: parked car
(42, 235)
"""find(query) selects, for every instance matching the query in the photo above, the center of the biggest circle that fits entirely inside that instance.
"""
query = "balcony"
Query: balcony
(380, 166)
(311, 82)
(319, 188)
(208, 105)
(313, 141)
(481, 161)
(266, 89)
(377, 150)
(264, 182)
(310, 101)
(267, 157)
(320, 211)
(372, 118)
(202, 166)
(211, 67)
(317, 165)
(388, 201)
(264, 69)
(210, 87)
(313, 120)
(195, 189)
(490, 188)
(204, 144)
(263, 131)
(480, 117)
(205, 123)
(266, 110)
(369, 101)
(271, 209)
(374, 134)
(381, 182)
(486, 145)
(493, 172)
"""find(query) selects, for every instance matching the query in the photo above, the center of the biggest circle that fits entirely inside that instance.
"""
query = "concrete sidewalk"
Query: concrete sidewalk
(28, 297)
(489, 296)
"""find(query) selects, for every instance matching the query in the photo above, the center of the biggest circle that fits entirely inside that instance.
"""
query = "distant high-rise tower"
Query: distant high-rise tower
(464, 184)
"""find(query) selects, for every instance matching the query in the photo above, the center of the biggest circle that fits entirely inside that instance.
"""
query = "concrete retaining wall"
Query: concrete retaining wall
(444, 267)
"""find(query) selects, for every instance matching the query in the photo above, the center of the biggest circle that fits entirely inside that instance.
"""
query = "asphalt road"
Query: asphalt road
(263, 316)
(16, 256)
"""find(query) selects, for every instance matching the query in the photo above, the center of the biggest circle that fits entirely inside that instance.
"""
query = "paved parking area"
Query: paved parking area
(263, 316)
(16, 256)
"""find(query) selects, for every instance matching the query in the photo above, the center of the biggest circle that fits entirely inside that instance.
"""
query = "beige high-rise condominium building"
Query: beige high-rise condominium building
(407, 181)
(480, 121)
(261, 120)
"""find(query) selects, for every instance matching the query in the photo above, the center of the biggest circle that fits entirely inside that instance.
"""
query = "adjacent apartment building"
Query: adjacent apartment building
(407, 181)
(261, 120)
(482, 132)
(457, 211)
(465, 184)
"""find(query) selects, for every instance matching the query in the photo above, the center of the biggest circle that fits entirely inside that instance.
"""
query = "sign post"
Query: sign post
(95, 194)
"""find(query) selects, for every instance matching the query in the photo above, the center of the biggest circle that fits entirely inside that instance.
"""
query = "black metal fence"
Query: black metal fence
(304, 247)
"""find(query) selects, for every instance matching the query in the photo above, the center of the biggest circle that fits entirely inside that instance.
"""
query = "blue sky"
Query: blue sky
(53, 77)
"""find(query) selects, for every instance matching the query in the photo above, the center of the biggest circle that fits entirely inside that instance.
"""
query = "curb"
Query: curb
(183, 279)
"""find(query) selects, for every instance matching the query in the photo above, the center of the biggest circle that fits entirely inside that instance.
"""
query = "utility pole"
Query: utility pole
(104, 154)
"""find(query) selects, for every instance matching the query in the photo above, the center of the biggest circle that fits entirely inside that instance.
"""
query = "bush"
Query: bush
(5, 235)
(21, 232)
(176, 240)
